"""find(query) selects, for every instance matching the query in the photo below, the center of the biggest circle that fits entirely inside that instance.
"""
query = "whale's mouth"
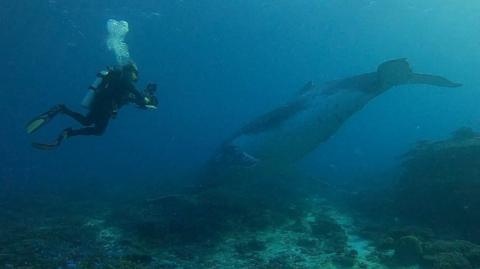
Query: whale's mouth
(248, 160)
(235, 157)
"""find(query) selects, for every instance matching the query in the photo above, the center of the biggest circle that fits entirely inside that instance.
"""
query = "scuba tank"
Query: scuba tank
(92, 89)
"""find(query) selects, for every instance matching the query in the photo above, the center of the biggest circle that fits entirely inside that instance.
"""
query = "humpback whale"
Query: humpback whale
(289, 132)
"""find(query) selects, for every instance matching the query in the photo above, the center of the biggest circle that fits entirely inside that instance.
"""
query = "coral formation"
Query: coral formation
(267, 223)
(441, 184)
(408, 250)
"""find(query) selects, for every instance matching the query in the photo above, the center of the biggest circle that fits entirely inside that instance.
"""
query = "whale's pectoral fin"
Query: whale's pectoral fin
(433, 80)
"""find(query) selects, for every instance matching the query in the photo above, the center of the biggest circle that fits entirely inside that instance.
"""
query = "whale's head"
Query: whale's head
(231, 157)
(227, 164)
(394, 72)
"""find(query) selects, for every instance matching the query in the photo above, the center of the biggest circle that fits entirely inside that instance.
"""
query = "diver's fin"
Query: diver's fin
(306, 88)
(35, 124)
(42, 119)
(46, 146)
(432, 80)
(50, 146)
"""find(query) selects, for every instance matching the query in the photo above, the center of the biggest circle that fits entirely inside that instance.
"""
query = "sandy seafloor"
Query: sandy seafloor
(49, 238)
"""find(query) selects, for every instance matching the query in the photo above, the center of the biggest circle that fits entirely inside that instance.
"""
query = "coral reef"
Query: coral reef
(398, 248)
(82, 239)
(408, 250)
(440, 186)
(280, 222)
(330, 234)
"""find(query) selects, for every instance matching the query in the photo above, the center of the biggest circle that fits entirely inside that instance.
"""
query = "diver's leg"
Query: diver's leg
(84, 120)
(98, 129)
(101, 123)
(85, 131)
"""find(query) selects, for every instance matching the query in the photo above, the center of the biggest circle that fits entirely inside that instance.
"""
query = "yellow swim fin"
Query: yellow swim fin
(42, 119)
(35, 124)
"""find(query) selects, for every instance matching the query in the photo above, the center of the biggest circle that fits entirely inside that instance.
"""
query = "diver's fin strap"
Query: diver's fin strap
(433, 80)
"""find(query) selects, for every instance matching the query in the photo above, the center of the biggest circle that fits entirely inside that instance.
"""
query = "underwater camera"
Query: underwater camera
(149, 92)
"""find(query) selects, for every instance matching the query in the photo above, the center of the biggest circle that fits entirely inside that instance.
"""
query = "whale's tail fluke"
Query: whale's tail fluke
(433, 80)
(398, 72)
(394, 72)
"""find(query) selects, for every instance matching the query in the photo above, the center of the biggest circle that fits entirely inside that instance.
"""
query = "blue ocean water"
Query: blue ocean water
(219, 64)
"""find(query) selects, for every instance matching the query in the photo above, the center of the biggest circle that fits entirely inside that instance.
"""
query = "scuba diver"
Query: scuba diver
(113, 89)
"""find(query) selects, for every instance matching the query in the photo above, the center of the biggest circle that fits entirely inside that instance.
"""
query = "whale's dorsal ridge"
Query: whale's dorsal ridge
(309, 86)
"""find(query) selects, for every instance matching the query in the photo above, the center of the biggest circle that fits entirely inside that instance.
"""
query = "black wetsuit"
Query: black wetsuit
(115, 91)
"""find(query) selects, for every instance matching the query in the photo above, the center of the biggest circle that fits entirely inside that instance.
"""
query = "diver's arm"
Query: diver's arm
(143, 100)
(137, 98)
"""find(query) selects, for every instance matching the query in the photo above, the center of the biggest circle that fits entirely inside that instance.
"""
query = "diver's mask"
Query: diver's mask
(131, 70)
(134, 76)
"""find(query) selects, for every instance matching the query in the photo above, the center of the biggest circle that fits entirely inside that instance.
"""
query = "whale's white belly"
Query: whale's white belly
(304, 131)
